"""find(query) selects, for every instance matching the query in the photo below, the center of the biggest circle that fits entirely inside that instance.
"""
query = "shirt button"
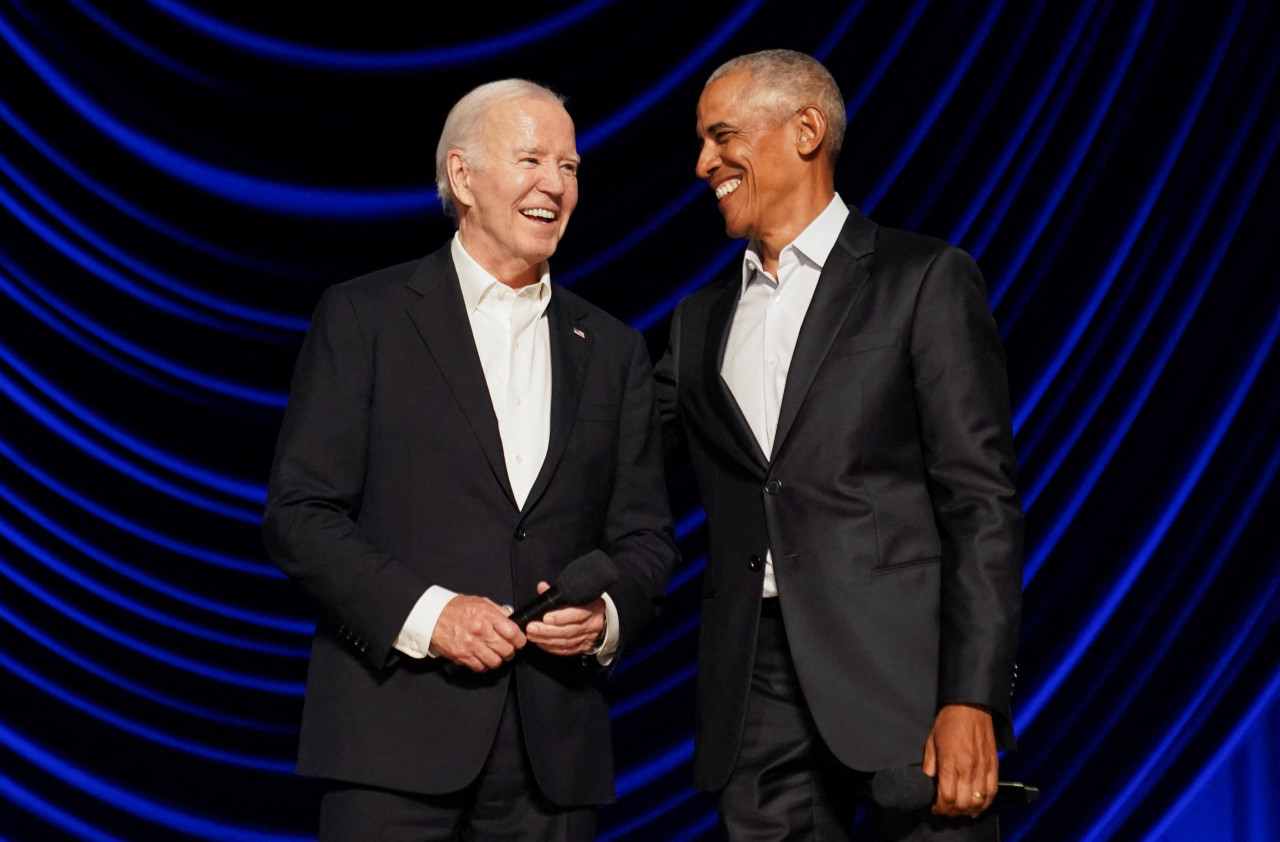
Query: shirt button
(773, 362)
(773, 486)
(517, 400)
(520, 533)
(755, 562)
(519, 458)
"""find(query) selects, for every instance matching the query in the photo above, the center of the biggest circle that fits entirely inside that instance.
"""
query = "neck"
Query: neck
(506, 270)
(793, 217)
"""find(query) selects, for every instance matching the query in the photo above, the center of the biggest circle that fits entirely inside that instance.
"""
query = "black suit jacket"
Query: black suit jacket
(389, 477)
(889, 501)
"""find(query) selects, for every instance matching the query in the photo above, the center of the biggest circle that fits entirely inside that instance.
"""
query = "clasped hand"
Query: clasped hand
(475, 631)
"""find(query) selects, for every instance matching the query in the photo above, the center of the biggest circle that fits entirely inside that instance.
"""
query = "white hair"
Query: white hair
(784, 81)
(464, 127)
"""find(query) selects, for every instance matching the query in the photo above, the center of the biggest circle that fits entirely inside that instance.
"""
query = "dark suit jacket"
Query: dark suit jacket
(389, 477)
(889, 501)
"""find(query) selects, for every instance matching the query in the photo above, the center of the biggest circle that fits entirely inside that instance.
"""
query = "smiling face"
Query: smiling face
(516, 196)
(747, 158)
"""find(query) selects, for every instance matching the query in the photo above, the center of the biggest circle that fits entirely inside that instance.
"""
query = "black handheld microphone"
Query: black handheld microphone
(908, 790)
(584, 579)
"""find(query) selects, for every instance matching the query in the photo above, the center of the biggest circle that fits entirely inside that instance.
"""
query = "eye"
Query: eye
(570, 169)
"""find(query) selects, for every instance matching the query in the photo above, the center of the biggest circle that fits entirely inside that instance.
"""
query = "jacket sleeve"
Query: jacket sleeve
(316, 487)
(638, 534)
(961, 390)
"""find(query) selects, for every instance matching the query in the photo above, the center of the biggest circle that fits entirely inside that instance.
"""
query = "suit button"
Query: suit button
(755, 562)
(520, 533)
(773, 486)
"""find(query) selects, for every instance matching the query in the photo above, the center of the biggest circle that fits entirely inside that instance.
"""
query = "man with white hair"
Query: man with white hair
(459, 430)
(842, 396)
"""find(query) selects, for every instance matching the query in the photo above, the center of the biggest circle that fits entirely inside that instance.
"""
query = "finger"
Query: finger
(929, 767)
(543, 587)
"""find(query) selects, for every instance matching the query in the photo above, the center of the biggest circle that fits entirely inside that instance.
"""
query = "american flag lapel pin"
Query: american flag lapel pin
(577, 331)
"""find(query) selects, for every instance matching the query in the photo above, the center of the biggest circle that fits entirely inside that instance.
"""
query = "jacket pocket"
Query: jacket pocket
(864, 342)
(904, 565)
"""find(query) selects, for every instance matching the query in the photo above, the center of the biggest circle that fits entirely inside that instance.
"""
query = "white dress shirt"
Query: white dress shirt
(514, 343)
(766, 325)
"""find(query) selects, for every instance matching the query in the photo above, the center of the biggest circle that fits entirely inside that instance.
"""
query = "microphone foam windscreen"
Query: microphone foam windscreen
(905, 789)
(585, 578)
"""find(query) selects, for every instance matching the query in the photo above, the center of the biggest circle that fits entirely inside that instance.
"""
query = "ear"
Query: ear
(811, 128)
(459, 178)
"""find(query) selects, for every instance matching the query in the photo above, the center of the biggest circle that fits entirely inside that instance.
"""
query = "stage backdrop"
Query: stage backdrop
(180, 179)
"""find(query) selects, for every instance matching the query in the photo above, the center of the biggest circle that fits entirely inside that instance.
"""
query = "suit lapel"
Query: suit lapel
(719, 320)
(440, 317)
(841, 280)
(570, 353)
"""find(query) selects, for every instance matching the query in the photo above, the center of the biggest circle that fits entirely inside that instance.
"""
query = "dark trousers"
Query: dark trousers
(503, 803)
(787, 785)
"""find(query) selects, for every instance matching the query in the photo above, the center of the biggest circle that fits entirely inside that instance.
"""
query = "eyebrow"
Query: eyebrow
(716, 127)
(534, 150)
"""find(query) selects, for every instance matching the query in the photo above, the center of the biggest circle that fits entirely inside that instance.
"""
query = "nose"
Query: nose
(708, 161)
(553, 180)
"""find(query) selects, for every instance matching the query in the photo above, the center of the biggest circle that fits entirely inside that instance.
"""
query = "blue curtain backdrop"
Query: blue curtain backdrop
(181, 178)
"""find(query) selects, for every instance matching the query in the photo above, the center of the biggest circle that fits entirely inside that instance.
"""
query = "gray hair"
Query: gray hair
(464, 127)
(786, 81)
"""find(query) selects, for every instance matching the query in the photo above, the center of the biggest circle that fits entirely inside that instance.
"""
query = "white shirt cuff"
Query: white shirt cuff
(611, 629)
(414, 639)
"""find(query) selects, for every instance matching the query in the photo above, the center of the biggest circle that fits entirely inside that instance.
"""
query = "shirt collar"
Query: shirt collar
(475, 281)
(814, 243)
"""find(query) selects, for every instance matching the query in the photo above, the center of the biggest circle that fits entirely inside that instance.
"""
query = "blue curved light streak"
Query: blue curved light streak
(142, 48)
(1178, 731)
(1048, 83)
(142, 691)
(1066, 171)
(300, 200)
(149, 650)
(977, 119)
(931, 112)
(106, 457)
(15, 793)
(120, 203)
(645, 773)
(1269, 693)
(611, 124)
(138, 729)
(1137, 221)
(1063, 518)
(1118, 704)
(291, 52)
(139, 609)
(252, 492)
(1197, 216)
(82, 258)
(287, 625)
(62, 311)
(132, 527)
(1120, 588)
(130, 802)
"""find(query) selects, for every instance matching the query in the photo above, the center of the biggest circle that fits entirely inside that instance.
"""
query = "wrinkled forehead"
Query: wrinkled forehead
(530, 124)
(727, 102)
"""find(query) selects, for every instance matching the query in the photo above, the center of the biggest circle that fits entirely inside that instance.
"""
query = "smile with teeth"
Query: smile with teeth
(727, 188)
(539, 213)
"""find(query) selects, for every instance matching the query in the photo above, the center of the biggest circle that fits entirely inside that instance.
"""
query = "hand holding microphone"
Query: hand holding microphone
(473, 631)
(569, 616)
(909, 790)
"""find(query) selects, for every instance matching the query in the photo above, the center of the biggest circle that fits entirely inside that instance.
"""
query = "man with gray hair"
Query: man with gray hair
(843, 399)
(459, 431)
